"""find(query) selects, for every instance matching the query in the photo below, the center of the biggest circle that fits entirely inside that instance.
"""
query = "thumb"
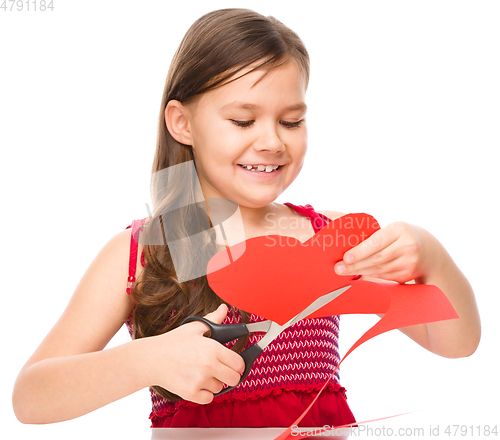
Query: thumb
(218, 315)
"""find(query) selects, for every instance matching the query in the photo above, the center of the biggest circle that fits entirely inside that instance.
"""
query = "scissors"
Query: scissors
(224, 333)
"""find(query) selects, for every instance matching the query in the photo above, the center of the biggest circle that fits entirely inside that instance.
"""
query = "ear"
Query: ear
(176, 119)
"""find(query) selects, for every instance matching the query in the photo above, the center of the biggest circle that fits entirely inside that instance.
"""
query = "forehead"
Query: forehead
(249, 88)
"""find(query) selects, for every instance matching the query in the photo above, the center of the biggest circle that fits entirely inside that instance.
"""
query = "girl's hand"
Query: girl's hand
(193, 366)
(398, 252)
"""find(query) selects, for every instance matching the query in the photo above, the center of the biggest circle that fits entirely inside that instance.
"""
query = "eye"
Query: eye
(242, 124)
(291, 124)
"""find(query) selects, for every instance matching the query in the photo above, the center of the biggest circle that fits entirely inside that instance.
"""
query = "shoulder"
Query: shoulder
(101, 292)
(117, 247)
(112, 262)
(332, 215)
(110, 268)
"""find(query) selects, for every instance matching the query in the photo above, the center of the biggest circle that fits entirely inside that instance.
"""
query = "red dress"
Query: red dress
(283, 381)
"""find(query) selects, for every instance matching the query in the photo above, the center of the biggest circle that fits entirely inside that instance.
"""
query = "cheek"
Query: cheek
(300, 155)
(222, 139)
(296, 137)
(301, 144)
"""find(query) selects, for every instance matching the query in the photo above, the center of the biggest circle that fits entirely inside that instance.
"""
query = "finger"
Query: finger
(377, 262)
(227, 375)
(213, 385)
(380, 270)
(231, 359)
(217, 317)
(394, 270)
(375, 243)
(399, 276)
(202, 397)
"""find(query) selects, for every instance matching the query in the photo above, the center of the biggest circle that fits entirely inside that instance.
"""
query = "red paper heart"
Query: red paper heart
(277, 276)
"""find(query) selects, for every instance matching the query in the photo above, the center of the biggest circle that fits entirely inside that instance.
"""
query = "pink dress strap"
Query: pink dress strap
(137, 226)
(318, 220)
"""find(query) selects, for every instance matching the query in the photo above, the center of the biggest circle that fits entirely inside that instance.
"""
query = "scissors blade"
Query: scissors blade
(276, 329)
(317, 304)
(261, 326)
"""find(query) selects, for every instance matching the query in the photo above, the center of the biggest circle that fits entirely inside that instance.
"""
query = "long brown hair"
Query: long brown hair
(215, 48)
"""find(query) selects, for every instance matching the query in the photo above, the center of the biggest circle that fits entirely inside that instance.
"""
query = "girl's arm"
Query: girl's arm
(70, 374)
(457, 337)
(402, 252)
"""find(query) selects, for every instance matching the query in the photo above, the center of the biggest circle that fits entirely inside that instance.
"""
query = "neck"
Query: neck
(250, 222)
(255, 218)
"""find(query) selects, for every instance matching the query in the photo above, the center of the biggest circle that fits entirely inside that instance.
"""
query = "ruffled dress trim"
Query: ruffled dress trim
(277, 408)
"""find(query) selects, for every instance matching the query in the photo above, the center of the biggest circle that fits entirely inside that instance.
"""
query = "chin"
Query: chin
(257, 202)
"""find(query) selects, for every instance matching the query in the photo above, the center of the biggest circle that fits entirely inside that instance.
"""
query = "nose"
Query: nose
(269, 140)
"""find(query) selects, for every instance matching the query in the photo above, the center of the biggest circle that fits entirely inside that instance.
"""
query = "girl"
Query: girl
(234, 104)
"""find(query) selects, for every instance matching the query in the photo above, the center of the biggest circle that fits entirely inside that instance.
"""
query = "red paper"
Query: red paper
(277, 277)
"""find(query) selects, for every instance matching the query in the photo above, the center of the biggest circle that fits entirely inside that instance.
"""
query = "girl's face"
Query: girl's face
(250, 123)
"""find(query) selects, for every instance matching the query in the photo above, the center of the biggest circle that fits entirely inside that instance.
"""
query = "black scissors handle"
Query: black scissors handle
(220, 332)
(224, 333)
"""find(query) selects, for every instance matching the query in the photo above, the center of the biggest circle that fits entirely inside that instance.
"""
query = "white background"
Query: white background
(403, 124)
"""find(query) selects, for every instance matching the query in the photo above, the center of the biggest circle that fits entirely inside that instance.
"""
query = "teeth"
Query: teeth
(261, 168)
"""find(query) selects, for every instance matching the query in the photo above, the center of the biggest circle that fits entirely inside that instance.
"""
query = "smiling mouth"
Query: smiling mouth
(261, 168)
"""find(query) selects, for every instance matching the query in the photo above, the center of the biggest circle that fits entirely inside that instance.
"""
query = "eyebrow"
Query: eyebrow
(249, 106)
